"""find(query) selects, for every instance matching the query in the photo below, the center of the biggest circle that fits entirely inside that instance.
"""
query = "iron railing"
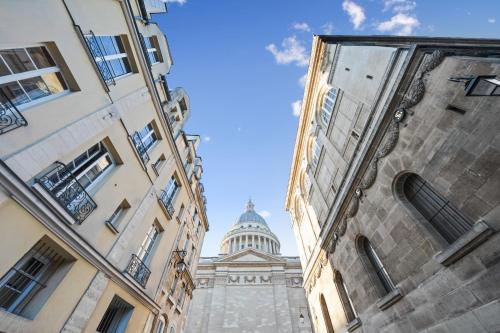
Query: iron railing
(139, 146)
(166, 201)
(138, 270)
(10, 117)
(97, 54)
(64, 188)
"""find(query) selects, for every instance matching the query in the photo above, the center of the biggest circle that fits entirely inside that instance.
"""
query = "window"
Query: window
(180, 299)
(483, 86)
(174, 285)
(198, 228)
(447, 220)
(373, 264)
(347, 305)
(152, 50)
(27, 75)
(114, 220)
(148, 136)
(158, 165)
(327, 107)
(146, 249)
(326, 315)
(26, 286)
(116, 317)
(316, 153)
(171, 189)
(113, 53)
(193, 250)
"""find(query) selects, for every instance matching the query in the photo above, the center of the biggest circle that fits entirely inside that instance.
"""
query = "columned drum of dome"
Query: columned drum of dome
(250, 231)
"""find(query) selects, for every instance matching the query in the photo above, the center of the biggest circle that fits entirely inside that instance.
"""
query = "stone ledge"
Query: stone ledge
(353, 324)
(389, 299)
(479, 233)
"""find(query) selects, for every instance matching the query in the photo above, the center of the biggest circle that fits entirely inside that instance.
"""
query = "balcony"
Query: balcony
(140, 148)
(97, 56)
(166, 202)
(138, 270)
(65, 189)
(10, 117)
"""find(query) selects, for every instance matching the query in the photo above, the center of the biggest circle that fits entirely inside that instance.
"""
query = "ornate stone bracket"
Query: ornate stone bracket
(413, 96)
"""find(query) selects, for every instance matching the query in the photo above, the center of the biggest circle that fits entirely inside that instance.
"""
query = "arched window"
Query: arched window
(350, 313)
(374, 265)
(298, 209)
(448, 221)
(326, 315)
(161, 325)
(328, 105)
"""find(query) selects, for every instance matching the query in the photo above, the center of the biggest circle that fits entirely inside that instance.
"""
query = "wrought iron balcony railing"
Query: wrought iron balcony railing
(10, 117)
(166, 201)
(139, 146)
(138, 270)
(97, 55)
(64, 188)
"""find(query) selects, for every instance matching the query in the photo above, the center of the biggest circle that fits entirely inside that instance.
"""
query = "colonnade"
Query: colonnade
(258, 242)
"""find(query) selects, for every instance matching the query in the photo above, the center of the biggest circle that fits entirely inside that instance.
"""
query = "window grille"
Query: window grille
(448, 221)
(350, 313)
(23, 281)
(377, 265)
(116, 317)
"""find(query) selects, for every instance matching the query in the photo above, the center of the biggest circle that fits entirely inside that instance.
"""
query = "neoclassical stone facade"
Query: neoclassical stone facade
(250, 287)
(394, 189)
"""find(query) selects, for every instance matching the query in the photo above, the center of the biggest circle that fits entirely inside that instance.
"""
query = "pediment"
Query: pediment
(250, 255)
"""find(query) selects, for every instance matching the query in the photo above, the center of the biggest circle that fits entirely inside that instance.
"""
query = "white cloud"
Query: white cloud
(296, 107)
(400, 24)
(293, 51)
(301, 26)
(400, 6)
(327, 28)
(355, 12)
(302, 80)
(264, 213)
(207, 138)
(492, 20)
(179, 2)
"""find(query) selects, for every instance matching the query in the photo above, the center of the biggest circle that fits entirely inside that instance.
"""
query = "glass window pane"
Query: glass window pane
(483, 87)
(18, 60)
(107, 45)
(41, 57)
(3, 68)
(35, 87)
(14, 92)
(117, 67)
(54, 82)
(118, 44)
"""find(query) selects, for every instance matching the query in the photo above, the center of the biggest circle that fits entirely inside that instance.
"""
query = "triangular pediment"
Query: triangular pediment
(250, 255)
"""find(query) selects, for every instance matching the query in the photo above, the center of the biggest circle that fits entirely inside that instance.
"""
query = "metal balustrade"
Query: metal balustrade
(166, 201)
(139, 146)
(138, 270)
(97, 54)
(64, 188)
(10, 117)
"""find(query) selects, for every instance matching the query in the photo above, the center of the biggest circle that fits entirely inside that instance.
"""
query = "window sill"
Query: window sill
(111, 227)
(390, 299)
(480, 232)
(353, 324)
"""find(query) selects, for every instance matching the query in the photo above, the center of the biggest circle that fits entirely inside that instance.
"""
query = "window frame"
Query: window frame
(110, 57)
(34, 73)
(327, 110)
(148, 245)
(151, 133)
(473, 83)
(151, 50)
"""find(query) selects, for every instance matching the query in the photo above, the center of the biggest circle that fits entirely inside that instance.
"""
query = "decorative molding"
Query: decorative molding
(412, 97)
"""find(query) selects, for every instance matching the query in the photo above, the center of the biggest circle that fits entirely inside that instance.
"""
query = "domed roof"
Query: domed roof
(250, 215)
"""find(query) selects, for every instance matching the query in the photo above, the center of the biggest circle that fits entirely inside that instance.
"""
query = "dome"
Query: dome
(250, 231)
(250, 215)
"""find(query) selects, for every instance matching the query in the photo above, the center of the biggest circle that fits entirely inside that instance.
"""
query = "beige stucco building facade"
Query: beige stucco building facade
(249, 287)
(394, 186)
(101, 202)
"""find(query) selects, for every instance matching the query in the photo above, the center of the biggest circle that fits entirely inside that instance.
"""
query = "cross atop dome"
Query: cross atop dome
(250, 205)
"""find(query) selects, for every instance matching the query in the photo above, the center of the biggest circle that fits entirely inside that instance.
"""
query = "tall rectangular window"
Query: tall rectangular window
(116, 317)
(171, 189)
(113, 53)
(148, 136)
(152, 50)
(29, 74)
(21, 287)
(146, 249)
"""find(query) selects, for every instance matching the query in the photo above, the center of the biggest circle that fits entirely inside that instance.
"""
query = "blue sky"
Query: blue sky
(241, 62)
